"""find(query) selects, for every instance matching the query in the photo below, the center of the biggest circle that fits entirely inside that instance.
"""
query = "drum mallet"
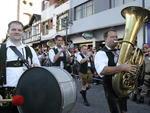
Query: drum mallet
(16, 100)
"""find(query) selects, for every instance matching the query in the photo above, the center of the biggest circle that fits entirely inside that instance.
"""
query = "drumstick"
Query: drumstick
(16, 100)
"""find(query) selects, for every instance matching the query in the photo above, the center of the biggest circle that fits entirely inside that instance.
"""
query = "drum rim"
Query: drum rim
(62, 92)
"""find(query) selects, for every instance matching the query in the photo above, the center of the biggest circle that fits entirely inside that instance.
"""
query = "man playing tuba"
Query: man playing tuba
(105, 64)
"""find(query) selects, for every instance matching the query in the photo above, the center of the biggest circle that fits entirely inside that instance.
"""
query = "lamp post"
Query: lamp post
(18, 7)
(67, 23)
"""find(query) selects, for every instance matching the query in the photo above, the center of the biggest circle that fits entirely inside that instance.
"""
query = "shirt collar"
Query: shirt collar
(114, 50)
(108, 47)
(57, 47)
(9, 43)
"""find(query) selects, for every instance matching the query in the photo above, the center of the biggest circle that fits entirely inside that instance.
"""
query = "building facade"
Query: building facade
(32, 30)
(95, 16)
(85, 21)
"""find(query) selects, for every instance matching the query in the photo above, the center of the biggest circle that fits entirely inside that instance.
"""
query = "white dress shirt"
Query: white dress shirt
(101, 60)
(14, 73)
(52, 54)
(79, 58)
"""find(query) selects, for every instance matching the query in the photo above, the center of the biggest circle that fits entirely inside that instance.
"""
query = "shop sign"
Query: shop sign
(87, 35)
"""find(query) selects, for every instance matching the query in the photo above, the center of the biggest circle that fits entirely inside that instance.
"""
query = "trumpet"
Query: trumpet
(65, 48)
(68, 52)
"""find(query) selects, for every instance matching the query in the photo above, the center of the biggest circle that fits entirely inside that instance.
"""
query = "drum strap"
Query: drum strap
(28, 53)
(3, 56)
(18, 53)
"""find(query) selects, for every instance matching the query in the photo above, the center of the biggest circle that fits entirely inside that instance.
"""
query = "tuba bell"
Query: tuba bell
(124, 83)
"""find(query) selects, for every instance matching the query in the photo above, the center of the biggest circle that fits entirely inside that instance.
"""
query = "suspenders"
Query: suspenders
(3, 63)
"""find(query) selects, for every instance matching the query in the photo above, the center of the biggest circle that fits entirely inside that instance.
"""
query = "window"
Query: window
(35, 30)
(62, 21)
(78, 12)
(27, 34)
(84, 10)
(45, 28)
(89, 8)
(116, 3)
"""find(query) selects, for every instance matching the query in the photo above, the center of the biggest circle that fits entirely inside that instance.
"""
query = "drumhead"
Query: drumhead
(40, 90)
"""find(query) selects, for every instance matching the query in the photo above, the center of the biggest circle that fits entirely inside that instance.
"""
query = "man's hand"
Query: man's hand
(128, 68)
(64, 48)
(89, 54)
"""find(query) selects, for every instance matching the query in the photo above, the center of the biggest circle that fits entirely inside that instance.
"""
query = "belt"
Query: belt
(7, 91)
(14, 64)
(7, 88)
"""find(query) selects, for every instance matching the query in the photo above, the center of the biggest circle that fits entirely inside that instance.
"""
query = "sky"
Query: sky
(8, 12)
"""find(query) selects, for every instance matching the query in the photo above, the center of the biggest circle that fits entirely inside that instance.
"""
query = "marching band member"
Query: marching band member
(145, 87)
(84, 72)
(13, 65)
(59, 55)
(105, 64)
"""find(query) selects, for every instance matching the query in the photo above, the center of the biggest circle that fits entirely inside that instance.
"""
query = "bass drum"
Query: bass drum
(46, 90)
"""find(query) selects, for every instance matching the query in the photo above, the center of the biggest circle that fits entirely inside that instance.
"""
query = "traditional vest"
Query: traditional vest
(63, 59)
(4, 64)
(84, 66)
(107, 79)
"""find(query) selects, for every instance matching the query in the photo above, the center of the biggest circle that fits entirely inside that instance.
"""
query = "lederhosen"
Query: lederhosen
(8, 92)
(85, 72)
(116, 105)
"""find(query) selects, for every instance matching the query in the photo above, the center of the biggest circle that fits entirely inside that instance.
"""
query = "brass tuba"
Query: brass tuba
(124, 83)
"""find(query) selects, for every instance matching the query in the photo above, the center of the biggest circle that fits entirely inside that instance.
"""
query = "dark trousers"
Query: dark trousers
(6, 93)
(116, 105)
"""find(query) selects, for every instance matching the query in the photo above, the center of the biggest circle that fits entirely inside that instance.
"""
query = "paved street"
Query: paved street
(98, 103)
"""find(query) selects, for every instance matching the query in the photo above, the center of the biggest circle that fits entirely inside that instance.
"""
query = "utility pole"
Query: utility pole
(66, 26)
(18, 10)
(67, 23)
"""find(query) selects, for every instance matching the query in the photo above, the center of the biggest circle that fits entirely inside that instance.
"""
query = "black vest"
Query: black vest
(63, 58)
(84, 66)
(107, 79)
(110, 56)
(3, 52)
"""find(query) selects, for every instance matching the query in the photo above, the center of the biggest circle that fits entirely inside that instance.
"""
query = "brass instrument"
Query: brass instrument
(124, 83)
(51, 44)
